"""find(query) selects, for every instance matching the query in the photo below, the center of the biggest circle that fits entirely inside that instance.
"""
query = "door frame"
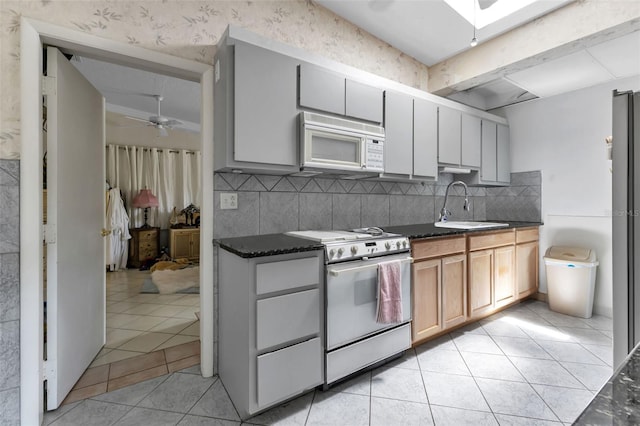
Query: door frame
(33, 34)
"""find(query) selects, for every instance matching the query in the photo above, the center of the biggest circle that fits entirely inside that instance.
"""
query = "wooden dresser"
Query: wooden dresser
(184, 243)
(144, 244)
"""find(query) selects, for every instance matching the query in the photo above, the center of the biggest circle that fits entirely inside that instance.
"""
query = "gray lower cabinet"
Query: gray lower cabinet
(255, 112)
(271, 327)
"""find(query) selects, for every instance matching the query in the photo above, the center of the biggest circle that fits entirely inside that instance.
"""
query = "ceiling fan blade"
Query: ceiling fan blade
(138, 119)
(172, 122)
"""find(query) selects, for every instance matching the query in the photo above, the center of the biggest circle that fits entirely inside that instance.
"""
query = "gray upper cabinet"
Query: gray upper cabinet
(255, 113)
(398, 125)
(488, 171)
(470, 140)
(325, 90)
(322, 89)
(363, 101)
(449, 133)
(425, 138)
(503, 155)
(496, 167)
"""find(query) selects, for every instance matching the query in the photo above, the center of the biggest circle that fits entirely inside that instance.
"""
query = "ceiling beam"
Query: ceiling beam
(576, 26)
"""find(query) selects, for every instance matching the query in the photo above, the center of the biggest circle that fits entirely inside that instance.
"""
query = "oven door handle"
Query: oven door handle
(336, 272)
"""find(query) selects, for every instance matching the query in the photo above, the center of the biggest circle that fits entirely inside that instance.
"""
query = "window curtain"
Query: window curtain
(172, 175)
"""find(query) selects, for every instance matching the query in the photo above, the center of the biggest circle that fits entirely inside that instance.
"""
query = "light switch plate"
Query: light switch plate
(228, 200)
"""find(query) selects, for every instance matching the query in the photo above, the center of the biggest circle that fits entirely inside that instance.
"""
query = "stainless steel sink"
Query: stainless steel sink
(470, 225)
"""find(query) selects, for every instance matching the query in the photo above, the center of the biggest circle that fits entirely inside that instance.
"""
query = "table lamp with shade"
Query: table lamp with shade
(144, 200)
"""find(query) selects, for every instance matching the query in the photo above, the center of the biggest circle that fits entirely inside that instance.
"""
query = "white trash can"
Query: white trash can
(571, 280)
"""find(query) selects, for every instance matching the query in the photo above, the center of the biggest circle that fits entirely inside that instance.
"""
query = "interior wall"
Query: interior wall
(564, 137)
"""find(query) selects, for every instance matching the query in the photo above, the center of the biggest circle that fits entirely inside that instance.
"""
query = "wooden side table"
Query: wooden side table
(143, 245)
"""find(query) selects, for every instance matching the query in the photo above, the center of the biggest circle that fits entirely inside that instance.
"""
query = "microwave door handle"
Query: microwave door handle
(336, 272)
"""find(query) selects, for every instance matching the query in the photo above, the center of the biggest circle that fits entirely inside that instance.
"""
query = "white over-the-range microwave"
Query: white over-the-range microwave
(340, 145)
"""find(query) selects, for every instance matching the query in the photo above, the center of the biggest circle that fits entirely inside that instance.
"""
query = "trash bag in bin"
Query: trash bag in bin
(571, 280)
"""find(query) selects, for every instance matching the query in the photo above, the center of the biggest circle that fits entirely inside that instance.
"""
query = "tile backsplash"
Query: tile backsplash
(271, 204)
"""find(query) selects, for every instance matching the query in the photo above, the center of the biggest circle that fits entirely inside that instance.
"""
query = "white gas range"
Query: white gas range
(354, 340)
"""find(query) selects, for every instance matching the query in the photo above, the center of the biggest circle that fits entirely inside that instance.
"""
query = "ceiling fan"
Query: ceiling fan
(159, 121)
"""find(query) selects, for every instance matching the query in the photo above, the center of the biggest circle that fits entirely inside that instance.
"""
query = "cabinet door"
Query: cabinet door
(363, 101)
(449, 131)
(527, 268)
(470, 139)
(425, 138)
(266, 115)
(504, 278)
(398, 124)
(480, 282)
(454, 290)
(321, 89)
(503, 154)
(488, 168)
(195, 245)
(181, 245)
(427, 285)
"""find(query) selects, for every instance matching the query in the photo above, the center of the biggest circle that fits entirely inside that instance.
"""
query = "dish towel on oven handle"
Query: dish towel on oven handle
(389, 306)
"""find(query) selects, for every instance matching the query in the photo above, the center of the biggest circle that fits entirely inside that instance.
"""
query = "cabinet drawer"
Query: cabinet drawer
(288, 274)
(496, 239)
(527, 235)
(289, 371)
(147, 235)
(440, 247)
(284, 318)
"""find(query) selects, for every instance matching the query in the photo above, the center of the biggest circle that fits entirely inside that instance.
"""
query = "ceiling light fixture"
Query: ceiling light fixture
(474, 40)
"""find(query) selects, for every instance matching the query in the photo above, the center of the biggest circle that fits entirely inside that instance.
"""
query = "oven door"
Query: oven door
(352, 299)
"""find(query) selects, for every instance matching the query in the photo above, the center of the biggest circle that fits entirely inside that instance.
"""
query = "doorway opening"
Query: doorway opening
(34, 35)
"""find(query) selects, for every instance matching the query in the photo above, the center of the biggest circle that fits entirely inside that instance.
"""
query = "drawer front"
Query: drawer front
(284, 318)
(347, 360)
(289, 371)
(147, 254)
(485, 241)
(436, 248)
(147, 235)
(288, 274)
(527, 235)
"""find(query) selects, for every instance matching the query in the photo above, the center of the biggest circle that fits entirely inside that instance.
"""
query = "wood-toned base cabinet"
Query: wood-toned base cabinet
(457, 280)
(185, 244)
(439, 286)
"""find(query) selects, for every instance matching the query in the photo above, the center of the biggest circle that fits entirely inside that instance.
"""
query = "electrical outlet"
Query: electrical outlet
(229, 200)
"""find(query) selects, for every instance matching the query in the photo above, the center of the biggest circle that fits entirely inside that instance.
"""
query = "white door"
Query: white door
(75, 217)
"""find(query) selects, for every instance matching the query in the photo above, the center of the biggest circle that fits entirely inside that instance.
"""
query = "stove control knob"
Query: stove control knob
(404, 244)
(387, 245)
(398, 245)
(340, 251)
(354, 249)
(332, 253)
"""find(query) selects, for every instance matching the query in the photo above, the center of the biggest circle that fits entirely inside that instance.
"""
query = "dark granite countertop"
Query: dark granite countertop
(618, 402)
(267, 245)
(272, 244)
(429, 230)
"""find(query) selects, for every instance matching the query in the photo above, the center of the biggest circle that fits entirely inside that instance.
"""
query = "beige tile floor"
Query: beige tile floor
(142, 323)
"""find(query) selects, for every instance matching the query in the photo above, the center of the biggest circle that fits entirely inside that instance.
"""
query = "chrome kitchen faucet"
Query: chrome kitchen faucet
(444, 213)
